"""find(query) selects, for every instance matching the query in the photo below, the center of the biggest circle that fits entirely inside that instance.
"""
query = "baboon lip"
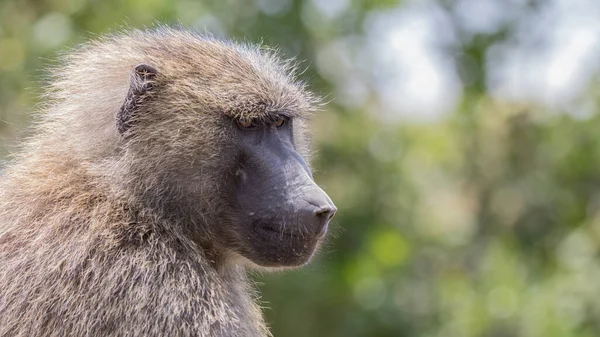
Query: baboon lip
(275, 231)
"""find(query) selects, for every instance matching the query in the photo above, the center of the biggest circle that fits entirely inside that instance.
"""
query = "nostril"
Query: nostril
(326, 212)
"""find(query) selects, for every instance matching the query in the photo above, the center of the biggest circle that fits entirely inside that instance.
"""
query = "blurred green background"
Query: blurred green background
(461, 145)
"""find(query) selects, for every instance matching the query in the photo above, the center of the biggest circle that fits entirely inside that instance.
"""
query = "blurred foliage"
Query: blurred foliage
(484, 222)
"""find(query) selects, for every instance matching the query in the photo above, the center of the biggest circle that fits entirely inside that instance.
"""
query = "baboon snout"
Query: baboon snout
(281, 204)
(315, 212)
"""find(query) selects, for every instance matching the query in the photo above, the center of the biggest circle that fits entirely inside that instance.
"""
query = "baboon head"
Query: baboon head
(213, 135)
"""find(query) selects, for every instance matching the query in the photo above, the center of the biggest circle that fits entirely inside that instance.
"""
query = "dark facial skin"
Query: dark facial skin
(282, 214)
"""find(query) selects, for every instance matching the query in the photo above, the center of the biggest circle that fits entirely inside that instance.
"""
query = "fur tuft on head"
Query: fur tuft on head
(197, 72)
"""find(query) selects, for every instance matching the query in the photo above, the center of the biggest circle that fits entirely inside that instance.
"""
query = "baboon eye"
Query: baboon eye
(279, 122)
(246, 123)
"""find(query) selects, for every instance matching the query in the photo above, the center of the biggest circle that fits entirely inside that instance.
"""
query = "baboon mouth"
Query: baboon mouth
(276, 232)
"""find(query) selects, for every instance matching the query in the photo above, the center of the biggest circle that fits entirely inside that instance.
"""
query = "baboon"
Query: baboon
(163, 166)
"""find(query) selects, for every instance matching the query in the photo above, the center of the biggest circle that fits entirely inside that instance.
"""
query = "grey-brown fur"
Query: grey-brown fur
(105, 235)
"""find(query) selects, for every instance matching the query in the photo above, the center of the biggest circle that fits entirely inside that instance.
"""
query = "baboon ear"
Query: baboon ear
(141, 82)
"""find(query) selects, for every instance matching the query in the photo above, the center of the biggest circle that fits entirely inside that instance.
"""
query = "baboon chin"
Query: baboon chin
(159, 157)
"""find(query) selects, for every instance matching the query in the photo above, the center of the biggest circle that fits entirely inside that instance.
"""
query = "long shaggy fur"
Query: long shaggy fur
(105, 235)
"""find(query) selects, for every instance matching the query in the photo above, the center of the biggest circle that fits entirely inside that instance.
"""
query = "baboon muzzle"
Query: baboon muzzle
(276, 191)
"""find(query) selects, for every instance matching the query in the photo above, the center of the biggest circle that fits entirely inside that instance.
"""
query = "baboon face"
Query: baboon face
(257, 193)
(281, 215)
